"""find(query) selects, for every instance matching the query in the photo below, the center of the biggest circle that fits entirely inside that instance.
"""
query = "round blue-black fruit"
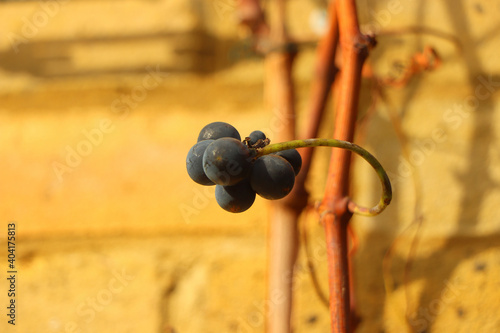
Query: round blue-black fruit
(226, 161)
(235, 199)
(272, 177)
(217, 130)
(256, 136)
(293, 157)
(194, 163)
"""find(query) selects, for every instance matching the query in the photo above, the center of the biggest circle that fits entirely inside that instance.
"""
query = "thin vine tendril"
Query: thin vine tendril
(353, 207)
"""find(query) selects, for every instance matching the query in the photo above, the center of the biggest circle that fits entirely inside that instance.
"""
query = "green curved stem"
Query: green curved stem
(353, 207)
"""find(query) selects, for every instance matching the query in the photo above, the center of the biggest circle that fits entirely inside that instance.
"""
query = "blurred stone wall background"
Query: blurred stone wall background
(100, 102)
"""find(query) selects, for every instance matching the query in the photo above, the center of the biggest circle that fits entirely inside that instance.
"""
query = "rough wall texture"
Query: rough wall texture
(101, 102)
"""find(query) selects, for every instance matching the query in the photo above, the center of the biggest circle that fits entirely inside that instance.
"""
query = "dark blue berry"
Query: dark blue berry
(272, 177)
(217, 130)
(226, 161)
(194, 163)
(236, 198)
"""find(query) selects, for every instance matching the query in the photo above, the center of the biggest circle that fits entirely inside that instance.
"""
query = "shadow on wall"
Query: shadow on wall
(442, 288)
(194, 51)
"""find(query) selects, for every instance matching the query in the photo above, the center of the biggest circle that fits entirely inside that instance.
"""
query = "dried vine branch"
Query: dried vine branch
(334, 211)
(322, 81)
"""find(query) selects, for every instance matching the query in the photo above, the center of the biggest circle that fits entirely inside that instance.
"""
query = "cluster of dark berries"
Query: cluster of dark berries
(220, 158)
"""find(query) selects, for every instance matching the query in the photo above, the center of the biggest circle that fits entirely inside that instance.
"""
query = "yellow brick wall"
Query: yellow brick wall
(114, 237)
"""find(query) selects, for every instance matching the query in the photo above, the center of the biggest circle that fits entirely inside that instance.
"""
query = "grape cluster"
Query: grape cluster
(220, 158)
